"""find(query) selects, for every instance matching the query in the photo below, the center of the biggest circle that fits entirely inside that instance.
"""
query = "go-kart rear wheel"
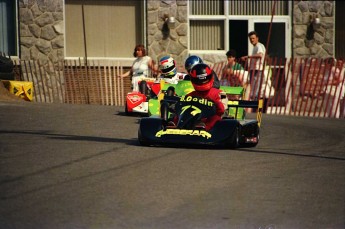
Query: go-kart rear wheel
(126, 109)
(236, 138)
(164, 111)
(143, 88)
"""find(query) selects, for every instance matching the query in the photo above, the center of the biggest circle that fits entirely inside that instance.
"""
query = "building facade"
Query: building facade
(51, 30)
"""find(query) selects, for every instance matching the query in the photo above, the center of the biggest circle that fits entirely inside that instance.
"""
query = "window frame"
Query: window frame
(251, 21)
(16, 25)
(124, 60)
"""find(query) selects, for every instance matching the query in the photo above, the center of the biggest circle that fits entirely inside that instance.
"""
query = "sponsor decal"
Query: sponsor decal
(134, 98)
(194, 112)
(199, 100)
(251, 140)
(201, 133)
(233, 102)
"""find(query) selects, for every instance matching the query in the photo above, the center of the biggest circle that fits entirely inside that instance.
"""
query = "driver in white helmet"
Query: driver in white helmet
(169, 73)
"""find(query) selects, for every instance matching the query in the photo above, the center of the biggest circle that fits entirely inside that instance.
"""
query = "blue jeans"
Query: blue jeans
(255, 77)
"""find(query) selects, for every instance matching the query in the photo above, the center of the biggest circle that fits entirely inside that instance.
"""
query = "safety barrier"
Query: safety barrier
(297, 86)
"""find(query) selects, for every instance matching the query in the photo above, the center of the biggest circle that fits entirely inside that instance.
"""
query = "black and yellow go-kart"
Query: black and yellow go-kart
(228, 132)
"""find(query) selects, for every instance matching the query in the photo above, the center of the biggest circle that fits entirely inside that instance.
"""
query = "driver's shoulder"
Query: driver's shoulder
(215, 91)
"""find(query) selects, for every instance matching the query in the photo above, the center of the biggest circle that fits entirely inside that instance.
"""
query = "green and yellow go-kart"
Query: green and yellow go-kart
(185, 86)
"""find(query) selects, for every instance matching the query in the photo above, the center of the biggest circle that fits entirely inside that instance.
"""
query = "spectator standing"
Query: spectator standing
(232, 73)
(141, 66)
(255, 64)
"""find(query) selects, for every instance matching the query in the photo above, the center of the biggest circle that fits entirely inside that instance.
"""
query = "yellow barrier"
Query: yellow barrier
(22, 89)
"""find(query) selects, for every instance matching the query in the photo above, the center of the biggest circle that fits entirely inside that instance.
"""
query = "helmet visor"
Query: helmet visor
(201, 80)
(168, 69)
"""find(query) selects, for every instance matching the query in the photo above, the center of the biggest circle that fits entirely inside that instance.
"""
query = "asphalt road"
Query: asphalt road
(80, 166)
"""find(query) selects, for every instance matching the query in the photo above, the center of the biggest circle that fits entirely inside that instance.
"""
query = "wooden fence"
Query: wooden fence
(75, 82)
(300, 87)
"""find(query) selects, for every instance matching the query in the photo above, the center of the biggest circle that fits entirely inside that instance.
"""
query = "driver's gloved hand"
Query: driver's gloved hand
(224, 99)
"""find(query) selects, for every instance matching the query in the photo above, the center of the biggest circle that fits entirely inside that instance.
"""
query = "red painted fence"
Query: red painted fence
(301, 87)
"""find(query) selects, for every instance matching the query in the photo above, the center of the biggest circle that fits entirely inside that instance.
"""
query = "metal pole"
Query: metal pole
(84, 33)
(85, 58)
(269, 32)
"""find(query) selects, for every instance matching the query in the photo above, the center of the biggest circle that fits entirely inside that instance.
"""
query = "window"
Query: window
(104, 28)
(207, 35)
(218, 25)
(8, 28)
(339, 29)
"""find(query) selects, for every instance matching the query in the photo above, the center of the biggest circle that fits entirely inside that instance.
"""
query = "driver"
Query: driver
(193, 60)
(202, 78)
(169, 73)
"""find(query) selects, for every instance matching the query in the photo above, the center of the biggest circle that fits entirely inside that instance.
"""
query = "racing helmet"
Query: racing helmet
(168, 66)
(191, 61)
(201, 76)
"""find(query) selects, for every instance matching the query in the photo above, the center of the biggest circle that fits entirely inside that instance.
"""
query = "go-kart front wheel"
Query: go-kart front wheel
(165, 111)
(126, 109)
(142, 140)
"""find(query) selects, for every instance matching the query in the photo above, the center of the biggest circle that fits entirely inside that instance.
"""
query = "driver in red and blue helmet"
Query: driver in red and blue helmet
(193, 60)
(202, 78)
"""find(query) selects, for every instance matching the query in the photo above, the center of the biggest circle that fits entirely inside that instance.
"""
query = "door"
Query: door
(276, 45)
(276, 39)
(279, 39)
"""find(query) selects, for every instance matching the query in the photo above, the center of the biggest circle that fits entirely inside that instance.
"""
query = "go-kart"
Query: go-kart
(228, 132)
(146, 101)
(137, 102)
(185, 86)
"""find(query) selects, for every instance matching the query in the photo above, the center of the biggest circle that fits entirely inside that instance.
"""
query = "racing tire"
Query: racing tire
(7, 76)
(141, 140)
(6, 64)
(143, 88)
(164, 111)
(126, 109)
(170, 91)
(236, 138)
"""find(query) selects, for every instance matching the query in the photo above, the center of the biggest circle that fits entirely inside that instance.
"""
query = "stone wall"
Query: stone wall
(162, 40)
(307, 40)
(41, 27)
(311, 40)
(41, 30)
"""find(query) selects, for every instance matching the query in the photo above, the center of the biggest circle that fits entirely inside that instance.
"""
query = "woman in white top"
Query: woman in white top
(141, 66)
